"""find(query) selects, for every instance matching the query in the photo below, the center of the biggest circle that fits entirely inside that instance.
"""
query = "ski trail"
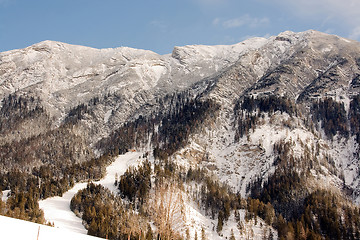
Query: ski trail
(57, 209)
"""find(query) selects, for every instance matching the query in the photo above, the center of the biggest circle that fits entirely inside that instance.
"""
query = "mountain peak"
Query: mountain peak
(275, 119)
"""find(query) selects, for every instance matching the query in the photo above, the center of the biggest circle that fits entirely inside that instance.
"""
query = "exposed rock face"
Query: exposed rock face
(98, 90)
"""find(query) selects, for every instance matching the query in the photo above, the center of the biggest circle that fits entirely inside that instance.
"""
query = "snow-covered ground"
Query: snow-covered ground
(57, 209)
(18, 229)
(196, 220)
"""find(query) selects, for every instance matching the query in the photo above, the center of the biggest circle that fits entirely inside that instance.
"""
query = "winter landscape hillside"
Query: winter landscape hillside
(257, 140)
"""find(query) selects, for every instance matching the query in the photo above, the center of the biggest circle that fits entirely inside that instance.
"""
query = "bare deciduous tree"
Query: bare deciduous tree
(167, 211)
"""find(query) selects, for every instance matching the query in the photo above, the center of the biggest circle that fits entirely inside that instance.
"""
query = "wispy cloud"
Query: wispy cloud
(346, 12)
(162, 26)
(231, 39)
(216, 21)
(336, 8)
(245, 20)
(355, 33)
(267, 35)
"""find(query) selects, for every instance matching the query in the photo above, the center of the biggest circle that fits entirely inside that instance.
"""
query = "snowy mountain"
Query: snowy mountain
(273, 119)
(65, 75)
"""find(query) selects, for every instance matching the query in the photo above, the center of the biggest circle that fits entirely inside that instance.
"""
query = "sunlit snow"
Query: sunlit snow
(57, 209)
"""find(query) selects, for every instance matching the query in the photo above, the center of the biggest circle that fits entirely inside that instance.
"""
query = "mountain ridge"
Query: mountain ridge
(274, 119)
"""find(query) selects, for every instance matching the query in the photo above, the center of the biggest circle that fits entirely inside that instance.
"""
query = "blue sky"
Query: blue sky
(159, 25)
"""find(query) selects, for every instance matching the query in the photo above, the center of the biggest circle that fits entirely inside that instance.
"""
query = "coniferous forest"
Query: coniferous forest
(282, 200)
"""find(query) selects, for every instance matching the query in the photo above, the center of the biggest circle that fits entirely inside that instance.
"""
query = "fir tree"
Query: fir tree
(187, 234)
(220, 222)
(203, 234)
(149, 233)
(232, 236)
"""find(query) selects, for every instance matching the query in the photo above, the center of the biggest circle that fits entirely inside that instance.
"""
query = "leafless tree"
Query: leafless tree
(134, 224)
(167, 211)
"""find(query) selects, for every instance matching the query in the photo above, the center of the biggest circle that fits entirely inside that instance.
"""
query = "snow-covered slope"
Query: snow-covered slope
(57, 210)
(130, 82)
(95, 93)
(19, 229)
(66, 75)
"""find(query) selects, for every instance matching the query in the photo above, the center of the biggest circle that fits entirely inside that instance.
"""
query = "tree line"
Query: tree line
(249, 109)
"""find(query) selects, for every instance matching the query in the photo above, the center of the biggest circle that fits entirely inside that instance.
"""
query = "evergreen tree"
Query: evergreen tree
(187, 233)
(271, 235)
(93, 228)
(232, 236)
(203, 234)
(220, 222)
(149, 233)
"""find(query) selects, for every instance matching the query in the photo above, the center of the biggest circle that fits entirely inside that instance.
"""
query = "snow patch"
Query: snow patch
(5, 195)
(107, 115)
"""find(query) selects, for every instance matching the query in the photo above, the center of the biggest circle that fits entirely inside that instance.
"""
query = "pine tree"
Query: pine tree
(237, 216)
(281, 226)
(300, 232)
(196, 237)
(269, 214)
(203, 234)
(187, 233)
(290, 232)
(149, 233)
(271, 235)
(220, 222)
(232, 236)
(116, 179)
(93, 228)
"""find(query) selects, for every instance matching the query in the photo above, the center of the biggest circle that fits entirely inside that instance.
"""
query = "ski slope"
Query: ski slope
(57, 209)
(18, 229)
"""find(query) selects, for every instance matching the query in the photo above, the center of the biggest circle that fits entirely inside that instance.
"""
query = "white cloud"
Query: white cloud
(344, 8)
(245, 20)
(233, 23)
(355, 33)
(339, 12)
(267, 35)
(216, 21)
(162, 26)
